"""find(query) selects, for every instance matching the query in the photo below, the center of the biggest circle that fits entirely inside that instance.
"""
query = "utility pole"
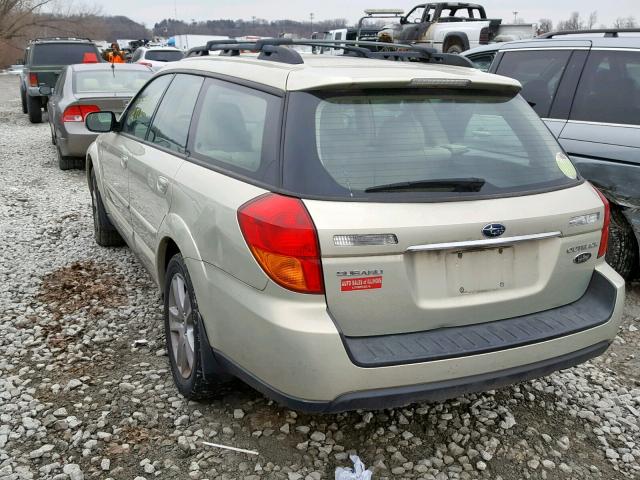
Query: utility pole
(311, 18)
(515, 17)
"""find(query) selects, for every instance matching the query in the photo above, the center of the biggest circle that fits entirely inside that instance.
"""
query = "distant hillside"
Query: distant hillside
(238, 28)
(123, 27)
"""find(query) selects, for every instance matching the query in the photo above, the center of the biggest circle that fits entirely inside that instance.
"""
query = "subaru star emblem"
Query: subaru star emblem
(493, 230)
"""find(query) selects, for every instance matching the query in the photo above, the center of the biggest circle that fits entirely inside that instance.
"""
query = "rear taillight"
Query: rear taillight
(604, 238)
(77, 113)
(89, 57)
(484, 36)
(33, 79)
(284, 241)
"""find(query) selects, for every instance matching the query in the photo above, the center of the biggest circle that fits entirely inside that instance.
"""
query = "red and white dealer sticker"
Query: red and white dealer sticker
(364, 283)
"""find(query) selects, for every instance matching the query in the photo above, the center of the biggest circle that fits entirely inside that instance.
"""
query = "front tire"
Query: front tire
(104, 232)
(34, 109)
(622, 253)
(184, 340)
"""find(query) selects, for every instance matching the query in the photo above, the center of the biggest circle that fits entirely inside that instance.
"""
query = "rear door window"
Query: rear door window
(64, 53)
(139, 114)
(170, 127)
(609, 89)
(539, 72)
(237, 129)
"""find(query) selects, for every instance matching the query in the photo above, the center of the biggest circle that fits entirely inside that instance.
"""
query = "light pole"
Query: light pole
(311, 18)
(515, 17)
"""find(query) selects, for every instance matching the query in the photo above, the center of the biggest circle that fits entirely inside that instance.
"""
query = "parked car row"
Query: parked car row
(46, 58)
(388, 226)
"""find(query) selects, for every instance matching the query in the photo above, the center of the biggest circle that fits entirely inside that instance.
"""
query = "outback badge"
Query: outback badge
(493, 230)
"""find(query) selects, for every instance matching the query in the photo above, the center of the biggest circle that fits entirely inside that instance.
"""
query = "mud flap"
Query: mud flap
(211, 368)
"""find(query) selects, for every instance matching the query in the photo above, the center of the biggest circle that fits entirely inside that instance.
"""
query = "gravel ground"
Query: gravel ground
(85, 390)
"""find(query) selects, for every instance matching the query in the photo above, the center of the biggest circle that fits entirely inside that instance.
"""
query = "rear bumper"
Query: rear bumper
(75, 139)
(393, 397)
(287, 347)
(594, 308)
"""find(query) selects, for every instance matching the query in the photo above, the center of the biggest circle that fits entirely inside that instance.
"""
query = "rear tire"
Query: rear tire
(67, 163)
(622, 253)
(23, 98)
(455, 49)
(104, 232)
(184, 340)
(34, 109)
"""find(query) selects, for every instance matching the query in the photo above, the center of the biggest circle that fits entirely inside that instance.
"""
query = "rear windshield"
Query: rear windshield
(386, 145)
(164, 55)
(64, 54)
(109, 81)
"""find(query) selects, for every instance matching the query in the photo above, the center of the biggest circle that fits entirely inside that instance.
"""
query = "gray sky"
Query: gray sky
(151, 11)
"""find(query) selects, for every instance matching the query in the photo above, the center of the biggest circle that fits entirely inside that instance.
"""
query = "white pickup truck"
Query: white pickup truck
(452, 27)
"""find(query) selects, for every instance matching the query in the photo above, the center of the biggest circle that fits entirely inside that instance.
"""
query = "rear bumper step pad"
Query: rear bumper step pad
(594, 308)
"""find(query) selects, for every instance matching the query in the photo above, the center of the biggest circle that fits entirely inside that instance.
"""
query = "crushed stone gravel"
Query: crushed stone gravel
(85, 390)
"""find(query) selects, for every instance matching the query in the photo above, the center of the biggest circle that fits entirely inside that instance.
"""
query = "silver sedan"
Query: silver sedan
(82, 89)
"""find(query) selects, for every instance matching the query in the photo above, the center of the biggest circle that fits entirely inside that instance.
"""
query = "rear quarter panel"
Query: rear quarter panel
(203, 221)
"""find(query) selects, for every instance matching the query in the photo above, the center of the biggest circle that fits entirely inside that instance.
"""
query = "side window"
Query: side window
(170, 127)
(237, 128)
(415, 15)
(140, 112)
(609, 89)
(483, 62)
(539, 72)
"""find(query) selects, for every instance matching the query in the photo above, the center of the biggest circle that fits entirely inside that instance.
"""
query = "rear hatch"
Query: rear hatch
(438, 208)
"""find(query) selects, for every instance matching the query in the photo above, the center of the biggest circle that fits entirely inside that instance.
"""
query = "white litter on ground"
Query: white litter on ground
(357, 473)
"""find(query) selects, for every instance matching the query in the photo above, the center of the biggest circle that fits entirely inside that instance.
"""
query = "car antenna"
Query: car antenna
(113, 69)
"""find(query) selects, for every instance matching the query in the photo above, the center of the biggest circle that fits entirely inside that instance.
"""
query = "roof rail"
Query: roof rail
(608, 32)
(276, 50)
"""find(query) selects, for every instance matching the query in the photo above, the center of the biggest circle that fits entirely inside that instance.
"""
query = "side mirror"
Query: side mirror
(403, 20)
(100, 122)
(45, 90)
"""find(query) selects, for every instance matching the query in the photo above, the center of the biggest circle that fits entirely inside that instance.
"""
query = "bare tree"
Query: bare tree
(545, 25)
(625, 22)
(16, 16)
(593, 19)
(20, 19)
(573, 23)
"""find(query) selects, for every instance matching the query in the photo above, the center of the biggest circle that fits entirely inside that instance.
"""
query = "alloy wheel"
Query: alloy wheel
(181, 326)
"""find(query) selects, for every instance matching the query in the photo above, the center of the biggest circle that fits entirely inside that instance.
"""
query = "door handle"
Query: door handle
(123, 161)
(161, 184)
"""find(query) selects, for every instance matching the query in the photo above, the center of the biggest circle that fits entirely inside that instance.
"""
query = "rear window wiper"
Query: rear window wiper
(436, 185)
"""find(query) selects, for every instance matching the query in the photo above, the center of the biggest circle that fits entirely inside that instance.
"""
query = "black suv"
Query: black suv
(586, 87)
(44, 59)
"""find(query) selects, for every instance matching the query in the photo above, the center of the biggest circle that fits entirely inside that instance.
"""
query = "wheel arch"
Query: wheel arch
(174, 237)
(460, 38)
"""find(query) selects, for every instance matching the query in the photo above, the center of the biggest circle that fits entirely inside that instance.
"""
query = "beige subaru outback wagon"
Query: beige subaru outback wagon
(346, 232)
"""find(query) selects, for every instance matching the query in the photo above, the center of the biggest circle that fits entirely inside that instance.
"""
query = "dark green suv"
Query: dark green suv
(44, 59)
